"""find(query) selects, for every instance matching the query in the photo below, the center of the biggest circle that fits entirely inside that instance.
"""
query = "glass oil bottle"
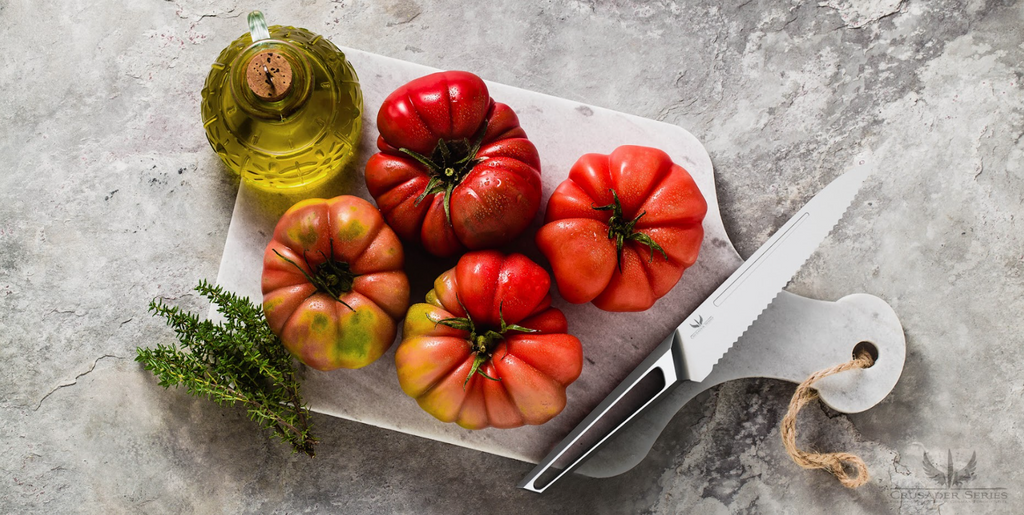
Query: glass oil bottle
(282, 107)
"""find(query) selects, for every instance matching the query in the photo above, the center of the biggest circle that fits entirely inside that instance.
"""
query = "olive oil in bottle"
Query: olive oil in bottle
(282, 107)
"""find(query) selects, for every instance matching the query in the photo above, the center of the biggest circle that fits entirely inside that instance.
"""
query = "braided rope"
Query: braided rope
(830, 461)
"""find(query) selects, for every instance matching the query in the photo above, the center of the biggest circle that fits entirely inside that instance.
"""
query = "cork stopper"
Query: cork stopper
(269, 76)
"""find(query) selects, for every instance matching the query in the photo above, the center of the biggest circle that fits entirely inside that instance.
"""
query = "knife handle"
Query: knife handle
(792, 339)
(650, 380)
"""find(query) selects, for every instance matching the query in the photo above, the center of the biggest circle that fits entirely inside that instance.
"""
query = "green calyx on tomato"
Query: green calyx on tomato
(448, 164)
(482, 343)
(622, 231)
(335, 278)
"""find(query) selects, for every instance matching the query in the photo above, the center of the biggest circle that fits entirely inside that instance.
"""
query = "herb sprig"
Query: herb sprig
(237, 361)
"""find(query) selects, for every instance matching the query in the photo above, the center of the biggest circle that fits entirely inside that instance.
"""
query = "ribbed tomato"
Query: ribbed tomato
(487, 349)
(333, 285)
(620, 231)
(455, 170)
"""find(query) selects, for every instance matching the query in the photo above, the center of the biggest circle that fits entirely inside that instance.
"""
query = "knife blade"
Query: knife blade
(696, 345)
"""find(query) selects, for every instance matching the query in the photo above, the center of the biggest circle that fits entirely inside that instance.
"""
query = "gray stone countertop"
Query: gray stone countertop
(111, 196)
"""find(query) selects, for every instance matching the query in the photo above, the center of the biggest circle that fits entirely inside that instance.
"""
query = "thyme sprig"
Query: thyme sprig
(237, 361)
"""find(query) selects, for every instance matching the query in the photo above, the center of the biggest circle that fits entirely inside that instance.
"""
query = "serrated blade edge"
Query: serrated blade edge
(711, 330)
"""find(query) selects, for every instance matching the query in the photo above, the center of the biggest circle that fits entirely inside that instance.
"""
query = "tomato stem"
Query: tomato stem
(332, 277)
(482, 344)
(622, 231)
(448, 165)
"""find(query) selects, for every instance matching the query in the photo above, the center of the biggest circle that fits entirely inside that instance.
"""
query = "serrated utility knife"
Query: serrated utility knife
(693, 348)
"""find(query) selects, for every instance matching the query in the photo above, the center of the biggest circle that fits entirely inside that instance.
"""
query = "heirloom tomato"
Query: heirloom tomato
(455, 169)
(622, 228)
(333, 285)
(487, 349)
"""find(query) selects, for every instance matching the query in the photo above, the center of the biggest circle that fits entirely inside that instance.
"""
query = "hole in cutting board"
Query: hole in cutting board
(868, 347)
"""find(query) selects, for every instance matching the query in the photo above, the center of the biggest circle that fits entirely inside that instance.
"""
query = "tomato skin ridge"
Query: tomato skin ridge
(442, 375)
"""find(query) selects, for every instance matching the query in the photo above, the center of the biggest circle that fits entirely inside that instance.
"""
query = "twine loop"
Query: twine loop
(830, 461)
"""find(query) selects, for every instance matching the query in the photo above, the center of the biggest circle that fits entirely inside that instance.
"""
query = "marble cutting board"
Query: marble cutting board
(613, 343)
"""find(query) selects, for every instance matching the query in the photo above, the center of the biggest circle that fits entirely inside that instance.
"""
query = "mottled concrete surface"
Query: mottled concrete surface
(111, 197)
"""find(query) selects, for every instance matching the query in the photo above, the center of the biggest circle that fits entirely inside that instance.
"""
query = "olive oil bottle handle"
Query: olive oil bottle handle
(258, 26)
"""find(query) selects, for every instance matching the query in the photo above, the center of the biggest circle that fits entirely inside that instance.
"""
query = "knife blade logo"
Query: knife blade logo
(699, 324)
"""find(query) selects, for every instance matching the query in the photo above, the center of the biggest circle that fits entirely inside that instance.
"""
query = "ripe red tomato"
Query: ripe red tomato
(487, 349)
(333, 285)
(620, 231)
(455, 169)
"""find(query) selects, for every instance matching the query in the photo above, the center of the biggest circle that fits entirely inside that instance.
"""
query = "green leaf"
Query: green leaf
(420, 158)
(448, 202)
(647, 240)
(477, 361)
(434, 185)
(458, 323)
(442, 154)
(510, 327)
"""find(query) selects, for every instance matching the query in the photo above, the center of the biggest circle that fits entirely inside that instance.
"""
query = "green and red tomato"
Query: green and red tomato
(486, 349)
(333, 284)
